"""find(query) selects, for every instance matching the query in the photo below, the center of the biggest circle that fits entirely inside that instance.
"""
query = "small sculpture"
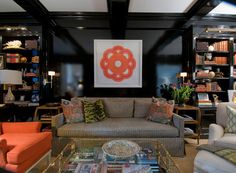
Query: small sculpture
(216, 99)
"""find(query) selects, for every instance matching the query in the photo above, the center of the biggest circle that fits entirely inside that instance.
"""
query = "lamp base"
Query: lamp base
(9, 97)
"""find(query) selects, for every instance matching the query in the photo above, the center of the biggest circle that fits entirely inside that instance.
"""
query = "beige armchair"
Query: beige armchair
(207, 162)
(217, 135)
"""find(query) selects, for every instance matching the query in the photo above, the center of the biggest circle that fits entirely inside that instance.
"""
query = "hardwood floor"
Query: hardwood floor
(185, 164)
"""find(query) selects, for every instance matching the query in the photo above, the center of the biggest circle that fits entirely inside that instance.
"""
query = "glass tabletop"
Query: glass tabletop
(88, 156)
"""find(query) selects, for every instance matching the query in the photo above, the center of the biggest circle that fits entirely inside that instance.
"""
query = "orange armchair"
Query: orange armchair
(22, 145)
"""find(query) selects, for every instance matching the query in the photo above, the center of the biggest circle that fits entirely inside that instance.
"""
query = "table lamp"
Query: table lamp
(183, 75)
(10, 77)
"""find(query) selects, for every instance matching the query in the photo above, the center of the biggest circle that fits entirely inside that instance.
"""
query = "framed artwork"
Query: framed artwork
(2, 61)
(232, 95)
(118, 63)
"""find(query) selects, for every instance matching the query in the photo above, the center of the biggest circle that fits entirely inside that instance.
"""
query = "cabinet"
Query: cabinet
(192, 117)
(212, 70)
(22, 53)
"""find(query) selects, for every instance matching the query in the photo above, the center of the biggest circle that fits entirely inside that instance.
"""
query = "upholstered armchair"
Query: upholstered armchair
(22, 145)
(206, 161)
(217, 135)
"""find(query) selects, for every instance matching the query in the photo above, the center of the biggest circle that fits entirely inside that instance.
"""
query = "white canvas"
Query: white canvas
(118, 63)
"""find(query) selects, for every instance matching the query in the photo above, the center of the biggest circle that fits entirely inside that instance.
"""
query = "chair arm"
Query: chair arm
(21, 127)
(215, 132)
(178, 122)
(3, 152)
(57, 121)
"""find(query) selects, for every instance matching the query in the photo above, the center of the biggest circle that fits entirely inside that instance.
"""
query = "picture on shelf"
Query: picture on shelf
(203, 96)
(232, 95)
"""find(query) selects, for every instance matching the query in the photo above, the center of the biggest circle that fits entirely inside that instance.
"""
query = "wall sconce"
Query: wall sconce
(183, 75)
(51, 74)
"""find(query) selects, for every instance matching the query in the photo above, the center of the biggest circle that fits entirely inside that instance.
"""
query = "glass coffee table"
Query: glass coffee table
(97, 156)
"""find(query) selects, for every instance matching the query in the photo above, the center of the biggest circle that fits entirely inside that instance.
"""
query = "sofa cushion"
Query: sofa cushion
(141, 107)
(93, 112)
(24, 146)
(119, 107)
(119, 127)
(72, 110)
(231, 120)
(161, 111)
(228, 141)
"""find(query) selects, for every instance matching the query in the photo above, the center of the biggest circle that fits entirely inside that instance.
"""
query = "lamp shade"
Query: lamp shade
(183, 74)
(51, 73)
(12, 77)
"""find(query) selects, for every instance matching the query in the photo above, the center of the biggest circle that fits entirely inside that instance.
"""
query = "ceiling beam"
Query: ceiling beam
(37, 10)
(196, 12)
(118, 12)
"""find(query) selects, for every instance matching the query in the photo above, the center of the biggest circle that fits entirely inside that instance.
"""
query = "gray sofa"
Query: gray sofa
(126, 119)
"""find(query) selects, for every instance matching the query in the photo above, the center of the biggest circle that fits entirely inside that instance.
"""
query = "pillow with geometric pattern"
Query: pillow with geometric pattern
(161, 111)
(73, 112)
(231, 120)
(93, 112)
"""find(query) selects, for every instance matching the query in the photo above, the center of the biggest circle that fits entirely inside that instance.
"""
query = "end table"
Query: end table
(195, 120)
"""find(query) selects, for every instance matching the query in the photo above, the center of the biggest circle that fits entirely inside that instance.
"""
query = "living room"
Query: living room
(58, 55)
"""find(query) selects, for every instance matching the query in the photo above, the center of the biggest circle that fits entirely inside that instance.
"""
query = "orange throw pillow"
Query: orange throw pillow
(161, 110)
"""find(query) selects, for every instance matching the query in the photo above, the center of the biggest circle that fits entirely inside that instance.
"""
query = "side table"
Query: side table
(44, 113)
(190, 118)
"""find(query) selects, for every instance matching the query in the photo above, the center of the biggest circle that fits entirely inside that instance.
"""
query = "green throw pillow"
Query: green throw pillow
(94, 112)
(231, 120)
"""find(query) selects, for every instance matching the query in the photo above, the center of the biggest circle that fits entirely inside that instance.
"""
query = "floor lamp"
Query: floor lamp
(10, 77)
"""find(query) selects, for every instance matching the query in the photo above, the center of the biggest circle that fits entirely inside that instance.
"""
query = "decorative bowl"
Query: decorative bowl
(121, 148)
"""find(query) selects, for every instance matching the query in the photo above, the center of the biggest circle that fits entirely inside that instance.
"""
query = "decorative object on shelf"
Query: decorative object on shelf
(35, 59)
(208, 56)
(23, 59)
(180, 93)
(211, 48)
(216, 99)
(15, 44)
(10, 77)
(2, 61)
(211, 74)
(121, 148)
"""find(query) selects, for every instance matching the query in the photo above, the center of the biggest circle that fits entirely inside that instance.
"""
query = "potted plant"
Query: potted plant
(180, 93)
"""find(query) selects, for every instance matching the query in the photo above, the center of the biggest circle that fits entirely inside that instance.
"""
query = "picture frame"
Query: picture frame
(232, 96)
(118, 63)
(2, 61)
(203, 96)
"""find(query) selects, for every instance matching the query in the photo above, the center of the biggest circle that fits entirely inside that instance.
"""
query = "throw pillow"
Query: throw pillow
(231, 120)
(93, 111)
(161, 110)
(73, 112)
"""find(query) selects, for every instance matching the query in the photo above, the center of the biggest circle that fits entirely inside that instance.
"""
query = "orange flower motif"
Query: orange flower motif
(118, 63)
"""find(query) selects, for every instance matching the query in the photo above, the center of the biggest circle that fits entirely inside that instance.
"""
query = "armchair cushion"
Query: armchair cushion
(21, 127)
(231, 120)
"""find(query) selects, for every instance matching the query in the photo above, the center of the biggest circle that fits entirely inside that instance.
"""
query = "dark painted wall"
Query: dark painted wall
(160, 63)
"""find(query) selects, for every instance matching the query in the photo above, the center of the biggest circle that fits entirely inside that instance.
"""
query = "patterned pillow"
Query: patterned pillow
(93, 112)
(231, 120)
(161, 110)
(73, 112)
